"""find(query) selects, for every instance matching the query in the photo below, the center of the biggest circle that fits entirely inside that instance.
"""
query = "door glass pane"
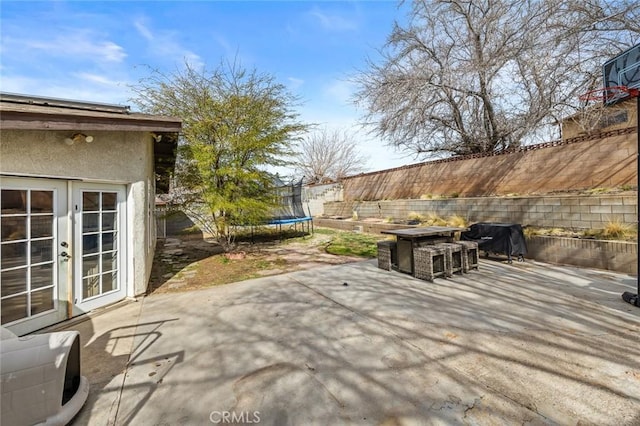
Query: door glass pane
(90, 287)
(14, 308)
(90, 222)
(108, 221)
(90, 266)
(90, 243)
(13, 255)
(13, 228)
(109, 200)
(41, 276)
(41, 226)
(109, 262)
(13, 281)
(13, 201)
(108, 281)
(41, 201)
(108, 241)
(42, 251)
(90, 201)
(41, 301)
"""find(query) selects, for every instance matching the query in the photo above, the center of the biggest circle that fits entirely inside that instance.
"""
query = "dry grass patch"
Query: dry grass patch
(614, 230)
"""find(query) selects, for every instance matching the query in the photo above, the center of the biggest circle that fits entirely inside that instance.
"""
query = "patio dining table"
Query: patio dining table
(410, 238)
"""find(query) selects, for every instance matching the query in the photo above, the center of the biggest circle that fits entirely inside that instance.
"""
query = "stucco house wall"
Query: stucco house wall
(122, 158)
(114, 157)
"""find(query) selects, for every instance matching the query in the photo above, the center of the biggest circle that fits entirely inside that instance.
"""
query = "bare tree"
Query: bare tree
(329, 155)
(481, 75)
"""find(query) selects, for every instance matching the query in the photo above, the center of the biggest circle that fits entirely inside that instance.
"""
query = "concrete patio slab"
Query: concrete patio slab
(526, 343)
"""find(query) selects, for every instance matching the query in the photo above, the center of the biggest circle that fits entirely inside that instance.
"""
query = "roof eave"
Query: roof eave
(14, 120)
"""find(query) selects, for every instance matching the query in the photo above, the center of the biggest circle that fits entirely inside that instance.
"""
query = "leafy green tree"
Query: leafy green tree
(235, 124)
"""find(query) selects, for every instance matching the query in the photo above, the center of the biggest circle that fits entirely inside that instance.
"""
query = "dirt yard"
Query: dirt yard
(183, 264)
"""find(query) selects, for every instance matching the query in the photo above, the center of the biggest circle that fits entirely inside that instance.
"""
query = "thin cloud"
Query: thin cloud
(78, 44)
(142, 29)
(99, 79)
(333, 22)
(112, 52)
(340, 90)
(70, 88)
(164, 44)
(295, 83)
(223, 43)
(18, 84)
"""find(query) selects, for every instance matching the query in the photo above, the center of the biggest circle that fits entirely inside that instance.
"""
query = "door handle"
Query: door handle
(65, 256)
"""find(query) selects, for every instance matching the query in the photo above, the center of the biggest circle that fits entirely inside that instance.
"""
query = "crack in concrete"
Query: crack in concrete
(473, 405)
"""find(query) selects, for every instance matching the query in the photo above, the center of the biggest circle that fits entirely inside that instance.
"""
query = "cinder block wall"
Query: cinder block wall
(579, 212)
(600, 160)
(314, 197)
(617, 256)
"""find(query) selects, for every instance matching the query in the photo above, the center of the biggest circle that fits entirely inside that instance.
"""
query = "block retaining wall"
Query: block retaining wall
(349, 225)
(575, 212)
(619, 256)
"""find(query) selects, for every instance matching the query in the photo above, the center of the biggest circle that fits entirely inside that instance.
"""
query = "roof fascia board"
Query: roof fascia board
(13, 120)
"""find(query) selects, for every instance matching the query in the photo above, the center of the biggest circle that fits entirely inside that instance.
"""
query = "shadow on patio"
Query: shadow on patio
(509, 343)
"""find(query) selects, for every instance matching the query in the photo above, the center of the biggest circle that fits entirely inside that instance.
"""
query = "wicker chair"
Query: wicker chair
(429, 262)
(453, 258)
(469, 255)
(386, 254)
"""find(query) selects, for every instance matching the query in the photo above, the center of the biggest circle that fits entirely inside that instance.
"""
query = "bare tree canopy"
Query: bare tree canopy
(235, 123)
(479, 76)
(329, 155)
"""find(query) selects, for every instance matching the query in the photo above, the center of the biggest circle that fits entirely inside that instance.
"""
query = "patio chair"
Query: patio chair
(453, 258)
(386, 254)
(469, 255)
(429, 262)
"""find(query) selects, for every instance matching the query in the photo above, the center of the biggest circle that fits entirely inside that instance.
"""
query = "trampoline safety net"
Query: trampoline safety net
(289, 200)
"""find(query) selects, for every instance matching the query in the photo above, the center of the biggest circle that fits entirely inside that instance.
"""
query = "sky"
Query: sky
(95, 50)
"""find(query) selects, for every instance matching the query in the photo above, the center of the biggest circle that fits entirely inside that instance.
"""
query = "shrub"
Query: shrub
(557, 232)
(595, 191)
(614, 230)
(416, 216)
(457, 221)
(617, 230)
(433, 219)
(530, 231)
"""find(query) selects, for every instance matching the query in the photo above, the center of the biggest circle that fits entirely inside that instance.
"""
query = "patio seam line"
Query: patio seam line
(420, 351)
(113, 418)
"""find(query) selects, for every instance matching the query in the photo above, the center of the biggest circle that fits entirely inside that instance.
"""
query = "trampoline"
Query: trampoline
(289, 210)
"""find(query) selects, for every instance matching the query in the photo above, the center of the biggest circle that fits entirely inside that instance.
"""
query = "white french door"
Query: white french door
(99, 245)
(34, 248)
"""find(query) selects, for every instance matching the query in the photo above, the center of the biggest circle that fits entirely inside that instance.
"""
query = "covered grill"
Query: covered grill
(500, 238)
